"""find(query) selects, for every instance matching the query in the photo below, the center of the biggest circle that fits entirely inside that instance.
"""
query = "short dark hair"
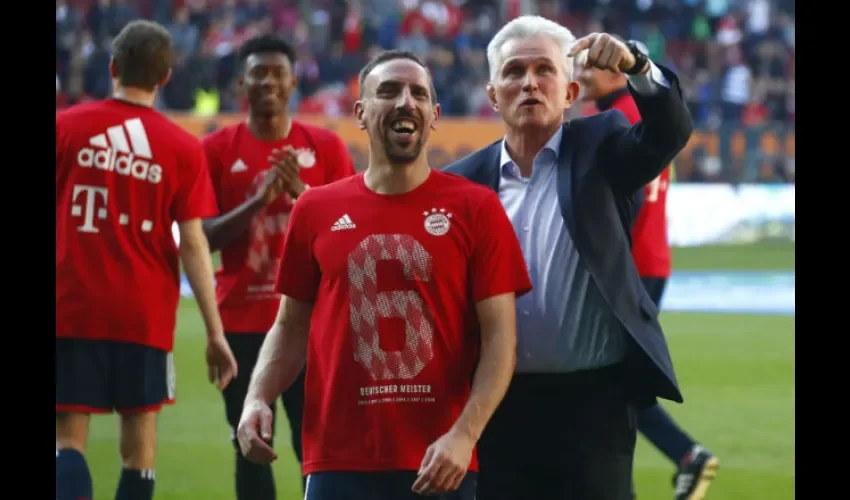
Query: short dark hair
(143, 54)
(266, 43)
(391, 55)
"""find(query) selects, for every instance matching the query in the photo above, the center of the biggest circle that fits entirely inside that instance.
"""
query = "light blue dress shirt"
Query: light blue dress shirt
(563, 324)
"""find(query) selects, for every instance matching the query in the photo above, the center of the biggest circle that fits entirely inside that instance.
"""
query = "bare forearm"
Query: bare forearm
(279, 363)
(495, 369)
(197, 264)
(221, 231)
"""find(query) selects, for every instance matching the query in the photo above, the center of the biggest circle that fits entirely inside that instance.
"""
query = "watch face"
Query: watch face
(641, 47)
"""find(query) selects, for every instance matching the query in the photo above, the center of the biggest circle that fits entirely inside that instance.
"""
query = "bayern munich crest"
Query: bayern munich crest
(437, 221)
(306, 158)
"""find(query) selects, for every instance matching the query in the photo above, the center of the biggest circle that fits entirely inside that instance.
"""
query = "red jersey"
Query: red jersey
(124, 175)
(394, 333)
(650, 246)
(238, 163)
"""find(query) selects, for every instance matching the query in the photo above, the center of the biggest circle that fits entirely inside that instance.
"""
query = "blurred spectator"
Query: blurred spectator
(735, 58)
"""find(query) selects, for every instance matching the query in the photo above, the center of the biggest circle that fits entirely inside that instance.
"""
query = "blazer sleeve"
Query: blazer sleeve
(635, 155)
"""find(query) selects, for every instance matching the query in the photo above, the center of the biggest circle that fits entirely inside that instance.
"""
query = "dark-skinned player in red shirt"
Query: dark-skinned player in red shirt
(259, 167)
(124, 175)
(399, 290)
(696, 466)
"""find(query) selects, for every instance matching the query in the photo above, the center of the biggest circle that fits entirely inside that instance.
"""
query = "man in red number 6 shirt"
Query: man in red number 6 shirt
(651, 252)
(259, 167)
(124, 175)
(409, 275)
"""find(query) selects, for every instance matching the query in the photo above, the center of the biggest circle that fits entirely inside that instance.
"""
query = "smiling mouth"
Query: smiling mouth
(403, 127)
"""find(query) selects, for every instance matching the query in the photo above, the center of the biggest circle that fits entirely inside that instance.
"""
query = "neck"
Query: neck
(524, 144)
(134, 95)
(270, 128)
(383, 177)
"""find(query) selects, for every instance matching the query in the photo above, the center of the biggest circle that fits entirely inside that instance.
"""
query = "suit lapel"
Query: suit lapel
(489, 175)
(565, 179)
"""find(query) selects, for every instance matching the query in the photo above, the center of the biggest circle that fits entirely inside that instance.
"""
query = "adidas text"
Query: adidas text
(122, 164)
(121, 150)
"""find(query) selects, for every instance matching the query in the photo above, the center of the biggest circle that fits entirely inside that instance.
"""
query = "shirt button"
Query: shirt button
(525, 228)
(525, 312)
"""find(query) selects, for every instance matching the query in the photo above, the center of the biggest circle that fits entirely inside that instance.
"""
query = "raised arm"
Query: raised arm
(634, 155)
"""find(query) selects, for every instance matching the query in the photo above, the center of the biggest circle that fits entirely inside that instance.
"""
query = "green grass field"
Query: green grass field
(737, 373)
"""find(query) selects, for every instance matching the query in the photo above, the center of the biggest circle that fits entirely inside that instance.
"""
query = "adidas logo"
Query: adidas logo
(344, 222)
(113, 152)
(238, 166)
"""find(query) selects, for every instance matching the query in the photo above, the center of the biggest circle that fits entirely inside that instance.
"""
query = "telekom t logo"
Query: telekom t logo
(92, 193)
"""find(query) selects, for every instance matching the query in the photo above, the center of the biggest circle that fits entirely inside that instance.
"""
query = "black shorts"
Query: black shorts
(390, 485)
(655, 288)
(101, 376)
(246, 349)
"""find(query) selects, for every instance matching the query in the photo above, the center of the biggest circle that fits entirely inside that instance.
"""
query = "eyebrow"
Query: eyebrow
(513, 61)
(394, 84)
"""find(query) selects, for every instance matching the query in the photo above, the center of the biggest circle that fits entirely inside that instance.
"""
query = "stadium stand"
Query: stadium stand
(735, 59)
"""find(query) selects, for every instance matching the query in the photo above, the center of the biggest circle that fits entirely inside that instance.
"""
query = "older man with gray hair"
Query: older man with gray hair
(590, 350)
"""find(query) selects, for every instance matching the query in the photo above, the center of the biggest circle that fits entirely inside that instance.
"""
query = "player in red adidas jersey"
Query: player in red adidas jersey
(398, 292)
(124, 176)
(258, 168)
(696, 466)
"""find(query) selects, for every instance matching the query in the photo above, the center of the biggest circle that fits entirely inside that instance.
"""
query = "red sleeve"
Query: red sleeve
(339, 159)
(497, 265)
(194, 198)
(213, 166)
(298, 275)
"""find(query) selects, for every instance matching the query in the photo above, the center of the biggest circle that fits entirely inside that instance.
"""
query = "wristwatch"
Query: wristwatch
(641, 55)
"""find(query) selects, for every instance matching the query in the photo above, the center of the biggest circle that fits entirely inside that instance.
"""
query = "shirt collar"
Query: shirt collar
(507, 165)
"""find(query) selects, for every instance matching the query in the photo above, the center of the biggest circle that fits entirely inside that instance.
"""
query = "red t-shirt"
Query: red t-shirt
(394, 333)
(650, 247)
(238, 163)
(124, 175)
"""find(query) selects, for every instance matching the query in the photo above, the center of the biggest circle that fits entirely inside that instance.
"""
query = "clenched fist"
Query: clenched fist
(605, 52)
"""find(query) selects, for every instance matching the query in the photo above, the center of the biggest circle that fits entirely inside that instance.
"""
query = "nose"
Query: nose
(529, 84)
(404, 100)
(268, 81)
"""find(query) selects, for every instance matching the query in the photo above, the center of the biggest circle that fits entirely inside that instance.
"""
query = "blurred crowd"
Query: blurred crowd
(735, 58)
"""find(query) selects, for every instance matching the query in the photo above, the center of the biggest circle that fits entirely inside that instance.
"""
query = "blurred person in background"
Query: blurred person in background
(259, 167)
(651, 251)
(125, 174)
(590, 350)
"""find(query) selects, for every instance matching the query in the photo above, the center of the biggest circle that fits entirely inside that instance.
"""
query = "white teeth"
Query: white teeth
(404, 125)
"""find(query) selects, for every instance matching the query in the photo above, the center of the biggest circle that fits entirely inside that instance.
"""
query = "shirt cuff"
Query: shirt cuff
(648, 83)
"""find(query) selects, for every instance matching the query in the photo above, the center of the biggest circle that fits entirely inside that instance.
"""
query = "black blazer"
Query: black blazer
(604, 164)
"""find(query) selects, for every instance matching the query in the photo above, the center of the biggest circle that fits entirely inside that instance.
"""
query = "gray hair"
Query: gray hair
(525, 27)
